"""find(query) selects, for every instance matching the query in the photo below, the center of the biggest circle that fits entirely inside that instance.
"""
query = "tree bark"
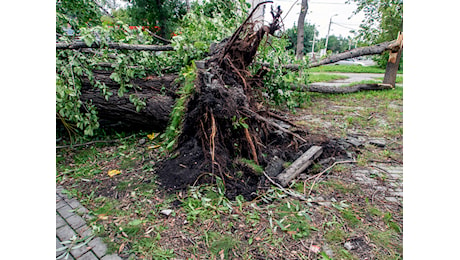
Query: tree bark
(299, 165)
(300, 29)
(393, 63)
(154, 116)
(113, 45)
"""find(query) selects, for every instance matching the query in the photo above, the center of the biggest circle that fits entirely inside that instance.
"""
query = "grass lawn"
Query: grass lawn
(126, 208)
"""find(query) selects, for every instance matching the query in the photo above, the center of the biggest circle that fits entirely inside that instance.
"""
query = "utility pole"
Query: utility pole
(313, 46)
(328, 30)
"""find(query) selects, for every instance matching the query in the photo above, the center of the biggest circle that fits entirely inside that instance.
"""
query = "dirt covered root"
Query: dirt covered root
(223, 135)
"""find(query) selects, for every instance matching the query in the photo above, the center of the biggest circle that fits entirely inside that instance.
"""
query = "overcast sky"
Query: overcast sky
(319, 13)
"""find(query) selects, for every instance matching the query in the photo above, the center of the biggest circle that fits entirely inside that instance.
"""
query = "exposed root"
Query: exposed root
(211, 138)
(251, 146)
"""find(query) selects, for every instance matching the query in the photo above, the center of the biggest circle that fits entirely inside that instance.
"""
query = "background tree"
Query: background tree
(76, 14)
(337, 44)
(309, 30)
(383, 19)
(165, 14)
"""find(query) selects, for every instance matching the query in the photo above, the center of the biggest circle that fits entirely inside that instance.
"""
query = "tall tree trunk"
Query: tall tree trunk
(300, 29)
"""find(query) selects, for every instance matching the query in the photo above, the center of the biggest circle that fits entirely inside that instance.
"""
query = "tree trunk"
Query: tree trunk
(300, 29)
(393, 63)
(345, 89)
(114, 45)
(154, 116)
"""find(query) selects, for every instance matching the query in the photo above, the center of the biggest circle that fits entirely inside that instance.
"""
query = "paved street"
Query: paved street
(74, 238)
(352, 77)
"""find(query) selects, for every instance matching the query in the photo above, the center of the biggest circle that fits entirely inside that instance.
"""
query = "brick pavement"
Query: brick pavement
(73, 234)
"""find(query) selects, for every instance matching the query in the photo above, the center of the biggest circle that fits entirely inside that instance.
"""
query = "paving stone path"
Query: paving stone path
(391, 189)
(73, 234)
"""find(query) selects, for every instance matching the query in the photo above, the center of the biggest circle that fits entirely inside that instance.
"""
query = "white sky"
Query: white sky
(319, 13)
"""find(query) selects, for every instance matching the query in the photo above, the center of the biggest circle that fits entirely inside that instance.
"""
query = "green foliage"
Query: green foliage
(206, 202)
(294, 219)
(279, 82)
(76, 14)
(200, 27)
(337, 44)
(383, 19)
(72, 65)
(204, 24)
(309, 30)
(165, 14)
(174, 128)
(221, 245)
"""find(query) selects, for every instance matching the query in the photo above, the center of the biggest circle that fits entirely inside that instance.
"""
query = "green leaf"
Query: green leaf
(115, 77)
(135, 222)
(88, 39)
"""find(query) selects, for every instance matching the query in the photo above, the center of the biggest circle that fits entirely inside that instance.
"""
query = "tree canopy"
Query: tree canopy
(161, 13)
(383, 19)
(309, 30)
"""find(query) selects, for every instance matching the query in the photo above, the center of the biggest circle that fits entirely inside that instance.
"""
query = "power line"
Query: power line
(344, 26)
(328, 3)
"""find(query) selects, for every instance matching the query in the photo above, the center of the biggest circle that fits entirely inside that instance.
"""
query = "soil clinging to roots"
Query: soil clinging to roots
(224, 127)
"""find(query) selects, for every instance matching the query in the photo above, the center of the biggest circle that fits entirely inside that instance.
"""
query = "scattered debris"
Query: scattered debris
(379, 142)
(166, 212)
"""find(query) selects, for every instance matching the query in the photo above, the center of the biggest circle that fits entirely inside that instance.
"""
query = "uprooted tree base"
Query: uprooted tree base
(225, 134)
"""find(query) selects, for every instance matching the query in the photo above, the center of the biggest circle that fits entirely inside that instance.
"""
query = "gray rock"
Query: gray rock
(274, 167)
(166, 212)
(142, 141)
(354, 141)
(348, 245)
(379, 142)
(391, 199)
(328, 250)
(200, 64)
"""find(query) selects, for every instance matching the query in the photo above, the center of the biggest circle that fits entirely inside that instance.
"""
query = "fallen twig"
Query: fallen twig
(297, 196)
(261, 118)
(316, 176)
(84, 144)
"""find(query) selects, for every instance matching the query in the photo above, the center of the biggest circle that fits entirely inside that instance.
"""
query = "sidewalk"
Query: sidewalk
(74, 235)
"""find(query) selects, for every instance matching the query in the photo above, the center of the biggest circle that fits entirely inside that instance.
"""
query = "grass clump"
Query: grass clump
(251, 164)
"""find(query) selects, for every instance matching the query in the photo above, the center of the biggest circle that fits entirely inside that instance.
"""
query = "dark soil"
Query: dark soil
(189, 167)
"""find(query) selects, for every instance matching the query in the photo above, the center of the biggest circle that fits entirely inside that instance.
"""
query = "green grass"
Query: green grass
(399, 79)
(324, 77)
(207, 224)
(335, 235)
(251, 164)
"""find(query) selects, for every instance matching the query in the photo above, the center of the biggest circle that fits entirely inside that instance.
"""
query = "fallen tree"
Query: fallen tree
(344, 89)
(393, 46)
(157, 92)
